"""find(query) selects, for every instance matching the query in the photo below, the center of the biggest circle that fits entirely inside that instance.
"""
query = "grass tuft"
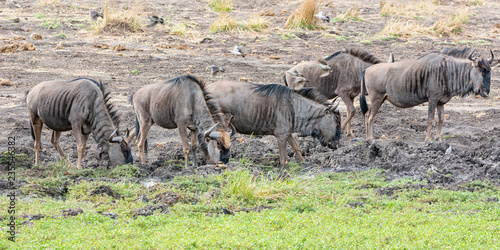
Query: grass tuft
(303, 17)
(118, 20)
(46, 2)
(223, 23)
(413, 9)
(451, 23)
(351, 14)
(222, 5)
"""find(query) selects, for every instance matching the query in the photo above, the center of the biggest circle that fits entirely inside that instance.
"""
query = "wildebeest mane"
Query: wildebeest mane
(451, 75)
(458, 53)
(113, 113)
(281, 92)
(213, 107)
(312, 94)
(359, 53)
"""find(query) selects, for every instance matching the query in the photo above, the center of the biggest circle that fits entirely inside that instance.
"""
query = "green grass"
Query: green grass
(334, 210)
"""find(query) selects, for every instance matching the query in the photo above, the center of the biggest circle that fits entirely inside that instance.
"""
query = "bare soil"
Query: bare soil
(471, 128)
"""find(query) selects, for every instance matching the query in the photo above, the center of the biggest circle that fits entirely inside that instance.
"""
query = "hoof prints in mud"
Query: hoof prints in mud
(150, 210)
(422, 161)
(105, 190)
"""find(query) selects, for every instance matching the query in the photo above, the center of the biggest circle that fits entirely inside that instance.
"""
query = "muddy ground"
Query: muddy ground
(471, 128)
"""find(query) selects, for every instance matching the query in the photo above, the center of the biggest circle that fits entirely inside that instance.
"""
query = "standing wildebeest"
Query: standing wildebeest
(344, 80)
(434, 78)
(183, 103)
(80, 105)
(278, 110)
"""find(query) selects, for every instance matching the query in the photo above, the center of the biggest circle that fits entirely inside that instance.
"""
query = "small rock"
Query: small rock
(10, 48)
(33, 217)
(18, 38)
(497, 25)
(36, 36)
(16, 20)
(274, 57)
(207, 40)
(28, 46)
(120, 47)
(5, 82)
(267, 13)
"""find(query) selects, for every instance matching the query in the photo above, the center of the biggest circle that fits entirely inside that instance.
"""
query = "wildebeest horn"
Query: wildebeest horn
(116, 139)
(334, 108)
(233, 130)
(492, 56)
(391, 58)
(470, 55)
(209, 131)
(112, 134)
(333, 101)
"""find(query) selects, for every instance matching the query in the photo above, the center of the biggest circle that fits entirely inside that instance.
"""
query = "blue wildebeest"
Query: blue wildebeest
(182, 103)
(81, 105)
(342, 79)
(278, 110)
(434, 78)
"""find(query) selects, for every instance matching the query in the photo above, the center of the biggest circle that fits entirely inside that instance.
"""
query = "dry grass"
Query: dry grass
(474, 2)
(45, 2)
(120, 19)
(303, 17)
(257, 23)
(452, 23)
(350, 14)
(222, 5)
(223, 23)
(445, 26)
(410, 9)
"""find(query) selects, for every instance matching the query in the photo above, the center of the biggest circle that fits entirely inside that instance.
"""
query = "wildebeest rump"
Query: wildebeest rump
(278, 110)
(182, 103)
(344, 80)
(434, 78)
(80, 105)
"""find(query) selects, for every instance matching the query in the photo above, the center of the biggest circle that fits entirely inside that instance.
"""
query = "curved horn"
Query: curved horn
(233, 130)
(492, 56)
(335, 107)
(470, 55)
(391, 58)
(333, 101)
(207, 133)
(116, 139)
(112, 134)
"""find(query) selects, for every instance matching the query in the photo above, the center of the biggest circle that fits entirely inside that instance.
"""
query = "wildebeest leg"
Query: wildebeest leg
(351, 111)
(56, 136)
(37, 131)
(376, 101)
(80, 142)
(440, 109)
(194, 147)
(295, 147)
(144, 126)
(432, 111)
(185, 142)
(282, 149)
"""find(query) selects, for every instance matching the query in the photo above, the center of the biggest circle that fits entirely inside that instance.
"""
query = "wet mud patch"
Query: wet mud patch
(69, 212)
(150, 210)
(105, 190)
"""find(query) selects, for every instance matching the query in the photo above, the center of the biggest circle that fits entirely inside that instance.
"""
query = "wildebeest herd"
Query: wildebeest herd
(301, 105)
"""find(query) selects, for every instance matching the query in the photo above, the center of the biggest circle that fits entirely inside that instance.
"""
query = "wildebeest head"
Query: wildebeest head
(118, 150)
(327, 128)
(218, 145)
(480, 75)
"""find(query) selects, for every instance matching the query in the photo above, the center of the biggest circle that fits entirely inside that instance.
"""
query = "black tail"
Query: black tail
(137, 134)
(31, 131)
(284, 80)
(362, 97)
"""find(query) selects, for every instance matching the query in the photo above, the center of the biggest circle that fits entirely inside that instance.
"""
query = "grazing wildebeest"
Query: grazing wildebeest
(343, 79)
(80, 105)
(183, 103)
(280, 111)
(434, 78)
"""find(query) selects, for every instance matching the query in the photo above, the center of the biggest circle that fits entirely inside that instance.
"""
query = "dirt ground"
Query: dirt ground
(471, 127)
